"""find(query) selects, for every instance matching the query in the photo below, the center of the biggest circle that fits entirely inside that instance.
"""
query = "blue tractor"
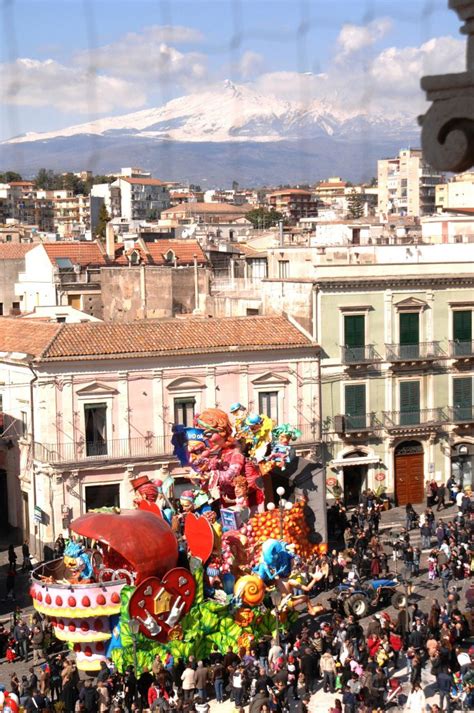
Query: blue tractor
(360, 598)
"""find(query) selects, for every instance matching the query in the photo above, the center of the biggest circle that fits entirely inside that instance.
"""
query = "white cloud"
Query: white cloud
(353, 38)
(149, 56)
(30, 82)
(390, 83)
(121, 75)
(250, 64)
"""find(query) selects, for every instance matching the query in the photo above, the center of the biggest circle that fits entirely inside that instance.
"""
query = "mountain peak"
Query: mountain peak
(230, 112)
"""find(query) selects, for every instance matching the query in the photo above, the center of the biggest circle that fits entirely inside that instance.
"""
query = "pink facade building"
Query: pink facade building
(88, 406)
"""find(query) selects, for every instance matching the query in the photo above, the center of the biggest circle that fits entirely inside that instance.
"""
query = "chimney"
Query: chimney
(110, 241)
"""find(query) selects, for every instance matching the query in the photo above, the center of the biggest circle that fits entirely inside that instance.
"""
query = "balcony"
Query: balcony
(128, 448)
(353, 356)
(113, 449)
(416, 419)
(461, 350)
(309, 434)
(361, 423)
(423, 351)
(461, 414)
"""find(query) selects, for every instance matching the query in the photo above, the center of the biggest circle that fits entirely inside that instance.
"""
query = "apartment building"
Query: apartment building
(142, 198)
(88, 406)
(63, 273)
(456, 193)
(407, 184)
(293, 203)
(394, 324)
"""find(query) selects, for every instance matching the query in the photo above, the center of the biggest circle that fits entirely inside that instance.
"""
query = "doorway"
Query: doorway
(26, 515)
(409, 472)
(462, 464)
(354, 478)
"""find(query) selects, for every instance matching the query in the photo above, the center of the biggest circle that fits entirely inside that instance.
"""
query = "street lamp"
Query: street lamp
(275, 596)
(282, 506)
(134, 626)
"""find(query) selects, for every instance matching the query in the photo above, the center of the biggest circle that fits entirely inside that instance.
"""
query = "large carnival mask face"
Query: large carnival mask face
(75, 567)
(198, 456)
(216, 439)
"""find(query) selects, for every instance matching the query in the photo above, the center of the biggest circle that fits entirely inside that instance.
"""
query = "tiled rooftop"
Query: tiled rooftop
(79, 253)
(102, 340)
(15, 251)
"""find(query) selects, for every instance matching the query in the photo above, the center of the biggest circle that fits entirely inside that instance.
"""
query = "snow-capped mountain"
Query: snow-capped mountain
(229, 112)
(226, 115)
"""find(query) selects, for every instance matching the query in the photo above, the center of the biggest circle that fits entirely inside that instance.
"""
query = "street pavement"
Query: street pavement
(392, 521)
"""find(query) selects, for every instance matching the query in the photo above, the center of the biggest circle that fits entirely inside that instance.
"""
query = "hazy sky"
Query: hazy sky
(69, 61)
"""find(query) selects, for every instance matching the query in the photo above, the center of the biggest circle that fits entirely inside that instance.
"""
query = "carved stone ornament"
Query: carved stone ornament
(447, 136)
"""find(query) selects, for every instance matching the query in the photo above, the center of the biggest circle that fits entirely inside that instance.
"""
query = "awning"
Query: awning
(364, 460)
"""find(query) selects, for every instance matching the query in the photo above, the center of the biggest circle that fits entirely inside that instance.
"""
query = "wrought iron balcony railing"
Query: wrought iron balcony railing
(413, 352)
(461, 414)
(362, 422)
(138, 447)
(359, 355)
(458, 348)
(414, 417)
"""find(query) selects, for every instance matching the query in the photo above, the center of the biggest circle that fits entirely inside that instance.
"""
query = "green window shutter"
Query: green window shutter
(409, 396)
(462, 399)
(462, 326)
(355, 399)
(409, 403)
(354, 330)
(409, 328)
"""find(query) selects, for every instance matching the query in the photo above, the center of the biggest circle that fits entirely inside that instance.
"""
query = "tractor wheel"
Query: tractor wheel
(359, 606)
(399, 600)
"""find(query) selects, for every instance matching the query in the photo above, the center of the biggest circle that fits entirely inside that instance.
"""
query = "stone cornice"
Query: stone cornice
(371, 283)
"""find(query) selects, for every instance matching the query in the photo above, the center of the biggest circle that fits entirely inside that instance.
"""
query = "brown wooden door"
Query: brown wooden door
(409, 478)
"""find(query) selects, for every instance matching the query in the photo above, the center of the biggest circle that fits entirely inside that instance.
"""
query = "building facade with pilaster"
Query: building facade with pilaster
(87, 406)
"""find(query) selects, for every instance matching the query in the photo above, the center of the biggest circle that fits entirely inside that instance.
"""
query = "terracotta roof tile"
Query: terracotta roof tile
(78, 253)
(185, 250)
(102, 340)
(250, 251)
(28, 336)
(199, 208)
(15, 251)
(154, 252)
(145, 338)
(144, 181)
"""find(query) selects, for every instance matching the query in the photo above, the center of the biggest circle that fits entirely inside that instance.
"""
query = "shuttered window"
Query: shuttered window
(409, 403)
(462, 332)
(354, 330)
(462, 399)
(409, 328)
(355, 405)
(462, 326)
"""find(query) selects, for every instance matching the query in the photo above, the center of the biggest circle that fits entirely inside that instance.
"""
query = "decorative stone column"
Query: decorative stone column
(447, 135)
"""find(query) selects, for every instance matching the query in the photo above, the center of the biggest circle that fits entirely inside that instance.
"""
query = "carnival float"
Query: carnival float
(221, 568)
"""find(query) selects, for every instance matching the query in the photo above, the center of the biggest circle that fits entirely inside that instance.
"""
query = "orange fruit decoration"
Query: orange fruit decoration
(294, 531)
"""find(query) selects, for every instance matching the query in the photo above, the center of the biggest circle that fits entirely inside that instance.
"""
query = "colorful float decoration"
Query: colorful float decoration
(120, 566)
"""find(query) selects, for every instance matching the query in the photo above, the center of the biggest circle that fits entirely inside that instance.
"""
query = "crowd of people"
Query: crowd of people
(357, 664)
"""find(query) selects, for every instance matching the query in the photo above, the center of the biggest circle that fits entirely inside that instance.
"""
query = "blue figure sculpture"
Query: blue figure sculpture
(277, 561)
(77, 562)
